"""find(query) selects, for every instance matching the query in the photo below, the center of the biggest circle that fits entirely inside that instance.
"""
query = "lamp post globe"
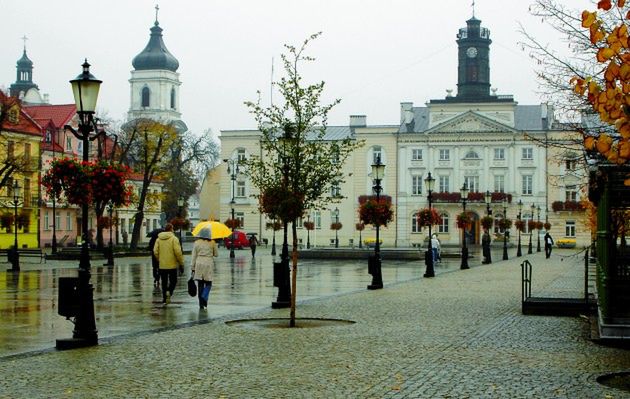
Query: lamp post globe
(85, 88)
(429, 183)
(464, 194)
(504, 204)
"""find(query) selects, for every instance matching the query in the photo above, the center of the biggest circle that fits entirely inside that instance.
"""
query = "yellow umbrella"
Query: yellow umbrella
(217, 229)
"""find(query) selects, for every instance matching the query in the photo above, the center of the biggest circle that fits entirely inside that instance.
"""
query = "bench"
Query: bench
(25, 253)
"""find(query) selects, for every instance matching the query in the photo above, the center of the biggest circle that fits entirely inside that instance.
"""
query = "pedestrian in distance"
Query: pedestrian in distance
(202, 264)
(485, 245)
(548, 245)
(168, 251)
(155, 263)
(435, 246)
(253, 241)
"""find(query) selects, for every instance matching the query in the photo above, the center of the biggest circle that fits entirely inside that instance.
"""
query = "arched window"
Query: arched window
(173, 98)
(443, 227)
(415, 227)
(146, 96)
(471, 155)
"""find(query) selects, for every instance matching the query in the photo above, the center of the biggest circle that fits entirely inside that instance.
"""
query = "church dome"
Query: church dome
(25, 61)
(155, 55)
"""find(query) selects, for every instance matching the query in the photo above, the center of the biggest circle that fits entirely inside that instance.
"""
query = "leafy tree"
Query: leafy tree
(300, 164)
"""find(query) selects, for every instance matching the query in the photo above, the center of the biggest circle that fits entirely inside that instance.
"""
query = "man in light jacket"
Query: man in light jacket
(168, 251)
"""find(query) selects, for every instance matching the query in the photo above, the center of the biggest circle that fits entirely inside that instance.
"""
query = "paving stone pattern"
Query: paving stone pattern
(459, 335)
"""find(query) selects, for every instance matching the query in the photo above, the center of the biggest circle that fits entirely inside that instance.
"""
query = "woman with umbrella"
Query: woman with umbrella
(202, 263)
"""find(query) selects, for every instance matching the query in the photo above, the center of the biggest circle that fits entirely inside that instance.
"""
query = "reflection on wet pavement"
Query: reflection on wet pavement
(126, 301)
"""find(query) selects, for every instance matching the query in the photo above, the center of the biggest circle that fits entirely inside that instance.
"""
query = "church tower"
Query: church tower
(24, 80)
(155, 82)
(473, 71)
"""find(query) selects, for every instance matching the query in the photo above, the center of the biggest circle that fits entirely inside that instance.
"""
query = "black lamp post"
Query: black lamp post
(85, 89)
(110, 249)
(14, 255)
(54, 205)
(529, 246)
(520, 209)
(488, 198)
(428, 255)
(336, 230)
(180, 206)
(273, 241)
(505, 230)
(538, 234)
(281, 272)
(464, 194)
(308, 232)
(374, 262)
(232, 169)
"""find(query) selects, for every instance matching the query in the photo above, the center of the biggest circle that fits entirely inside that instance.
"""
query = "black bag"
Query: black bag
(192, 287)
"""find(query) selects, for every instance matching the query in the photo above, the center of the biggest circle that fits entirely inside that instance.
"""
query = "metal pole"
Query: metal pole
(464, 264)
(505, 233)
(538, 245)
(15, 261)
(233, 177)
(428, 255)
(337, 230)
(518, 251)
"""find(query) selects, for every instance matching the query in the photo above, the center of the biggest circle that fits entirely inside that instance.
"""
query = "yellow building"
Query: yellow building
(20, 138)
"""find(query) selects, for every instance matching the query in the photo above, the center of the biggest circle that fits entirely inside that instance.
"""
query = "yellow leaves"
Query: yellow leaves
(604, 54)
(589, 143)
(588, 18)
(604, 142)
(624, 149)
(623, 127)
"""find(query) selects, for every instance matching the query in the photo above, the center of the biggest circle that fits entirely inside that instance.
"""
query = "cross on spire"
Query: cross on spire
(24, 38)
(473, 8)
(157, 8)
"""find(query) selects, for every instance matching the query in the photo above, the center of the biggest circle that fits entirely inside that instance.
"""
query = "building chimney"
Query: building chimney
(358, 120)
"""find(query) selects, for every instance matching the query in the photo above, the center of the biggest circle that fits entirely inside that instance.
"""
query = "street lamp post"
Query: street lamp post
(374, 263)
(488, 198)
(232, 169)
(336, 230)
(85, 89)
(464, 194)
(538, 234)
(180, 206)
(529, 246)
(14, 255)
(428, 255)
(308, 232)
(520, 210)
(505, 230)
(54, 204)
(110, 249)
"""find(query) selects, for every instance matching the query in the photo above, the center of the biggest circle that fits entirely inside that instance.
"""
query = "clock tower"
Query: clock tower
(473, 71)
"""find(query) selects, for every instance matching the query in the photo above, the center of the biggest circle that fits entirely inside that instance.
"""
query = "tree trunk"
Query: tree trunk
(137, 225)
(294, 261)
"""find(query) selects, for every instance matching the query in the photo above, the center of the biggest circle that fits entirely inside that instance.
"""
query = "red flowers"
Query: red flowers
(87, 182)
(428, 217)
(375, 213)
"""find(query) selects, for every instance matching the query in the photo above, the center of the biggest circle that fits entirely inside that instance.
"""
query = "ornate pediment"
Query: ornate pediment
(470, 122)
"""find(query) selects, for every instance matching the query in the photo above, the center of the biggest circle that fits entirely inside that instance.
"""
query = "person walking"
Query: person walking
(485, 246)
(253, 241)
(155, 263)
(168, 251)
(202, 264)
(548, 245)
(435, 247)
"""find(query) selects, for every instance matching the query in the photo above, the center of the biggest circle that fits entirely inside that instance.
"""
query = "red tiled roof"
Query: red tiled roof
(25, 124)
(60, 114)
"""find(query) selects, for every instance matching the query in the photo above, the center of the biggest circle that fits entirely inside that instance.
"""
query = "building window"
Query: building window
(68, 143)
(10, 150)
(498, 216)
(570, 193)
(471, 155)
(527, 185)
(528, 153)
(444, 184)
(80, 147)
(570, 164)
(499, 154)
(526, 218)
(569, 228)
(335, 190)
(416, 185)
(377, 153)
(240, 216)
(57, 221)
(499, 183)
(317, 219)
(46, 221)
(415, 226)
(26, 192)
(173, 98)
(416, 154)
(445, 155)
(240, 155)
(240, 189)
(472, 182)
(443, 226)
(146, 95)
(68, 221)
(27, 153)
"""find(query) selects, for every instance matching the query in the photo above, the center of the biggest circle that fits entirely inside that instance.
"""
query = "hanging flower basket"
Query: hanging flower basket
(547, 226)
(520, 225)
(464, 220)
(309, 225)
(282, 203)
(233, 223)
(539, 225)
(275, 226)
(531, 225)
(6, 221)
(336, 226)
(428, 217)
(24, 219)
(487, 222)
(503, 224)
(376, 213)
(359, 226)
(88, 181)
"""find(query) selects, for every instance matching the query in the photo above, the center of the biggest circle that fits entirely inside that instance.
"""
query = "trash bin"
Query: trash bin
(280, 274)
(68, 296)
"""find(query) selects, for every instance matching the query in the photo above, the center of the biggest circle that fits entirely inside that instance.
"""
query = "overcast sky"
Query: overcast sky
(373, 54)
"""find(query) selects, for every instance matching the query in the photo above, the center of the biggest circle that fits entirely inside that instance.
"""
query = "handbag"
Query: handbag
(192, 286)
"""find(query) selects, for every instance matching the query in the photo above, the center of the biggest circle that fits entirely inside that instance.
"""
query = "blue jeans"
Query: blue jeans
(435, 254)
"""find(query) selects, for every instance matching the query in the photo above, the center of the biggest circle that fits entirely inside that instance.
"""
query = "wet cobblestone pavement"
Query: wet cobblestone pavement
(458, 335)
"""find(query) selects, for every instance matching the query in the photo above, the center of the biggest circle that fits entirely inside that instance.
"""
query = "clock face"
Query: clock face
(471, 52)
